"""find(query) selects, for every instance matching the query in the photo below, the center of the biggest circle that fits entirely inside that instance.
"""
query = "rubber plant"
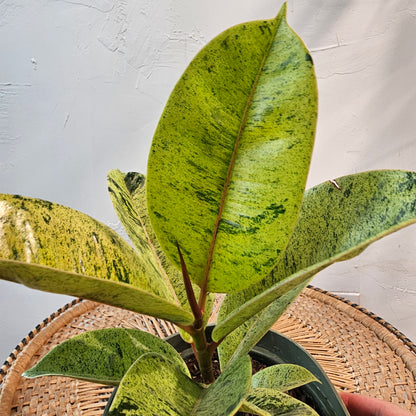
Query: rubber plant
(223, 210)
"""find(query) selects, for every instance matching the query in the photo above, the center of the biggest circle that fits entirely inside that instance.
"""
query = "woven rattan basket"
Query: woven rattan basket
(359, 351)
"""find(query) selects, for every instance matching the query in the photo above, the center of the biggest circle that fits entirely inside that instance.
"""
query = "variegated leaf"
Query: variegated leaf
(155, 386)
(278, 403)
(282, 377)
(252, 409)
(56, 249)
(225, 396)
(229, 159)
(128, 194)
(112, 293)
(132, 213)
(241, 341)
(335, 224)
(102, 356)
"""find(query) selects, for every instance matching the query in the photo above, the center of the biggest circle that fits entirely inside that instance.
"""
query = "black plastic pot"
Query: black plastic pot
(275, 348)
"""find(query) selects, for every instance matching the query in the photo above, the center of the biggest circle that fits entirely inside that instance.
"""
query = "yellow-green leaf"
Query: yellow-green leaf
(277, 403)
(225, 396)
(241, 341)
(252, 409)
(128, 194)
(102, 356)
(112, 293)
(229, 159)
(155, 386)
(335, 223)
(56, 249)
(282, 377)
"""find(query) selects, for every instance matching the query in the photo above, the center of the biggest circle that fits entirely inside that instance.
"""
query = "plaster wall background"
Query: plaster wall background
(83, 83)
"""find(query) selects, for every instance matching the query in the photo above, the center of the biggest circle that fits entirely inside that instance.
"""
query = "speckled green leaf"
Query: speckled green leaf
(252, 409)
(225, 396)
(100, 290)
(102, 356)
(277, 403)
(335, 224)
(241, 341)
(229, 159)
(155, 386)
(128, 194)
(41, 232)
(56, 249)
(250, 308)
(282, 377)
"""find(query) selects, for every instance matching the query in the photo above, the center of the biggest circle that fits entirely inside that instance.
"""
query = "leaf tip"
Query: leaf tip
(282, 12)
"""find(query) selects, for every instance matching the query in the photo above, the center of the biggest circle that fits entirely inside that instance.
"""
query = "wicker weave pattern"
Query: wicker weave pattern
(357, 350)
(383, 361)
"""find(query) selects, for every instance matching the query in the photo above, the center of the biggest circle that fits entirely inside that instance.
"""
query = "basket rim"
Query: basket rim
(311, 324)
(313, 289)
(389, 327)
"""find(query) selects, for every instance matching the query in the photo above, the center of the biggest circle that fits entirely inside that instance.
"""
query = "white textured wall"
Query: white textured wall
(82, 85)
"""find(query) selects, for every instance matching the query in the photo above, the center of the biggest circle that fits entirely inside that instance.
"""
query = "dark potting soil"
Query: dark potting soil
(196, 374)
(192, 364)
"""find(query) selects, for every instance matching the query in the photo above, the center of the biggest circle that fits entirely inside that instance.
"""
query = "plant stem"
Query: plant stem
(203, 350)
(204, 355)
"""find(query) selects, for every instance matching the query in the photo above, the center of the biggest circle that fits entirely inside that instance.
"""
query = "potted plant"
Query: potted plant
(223, 209)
